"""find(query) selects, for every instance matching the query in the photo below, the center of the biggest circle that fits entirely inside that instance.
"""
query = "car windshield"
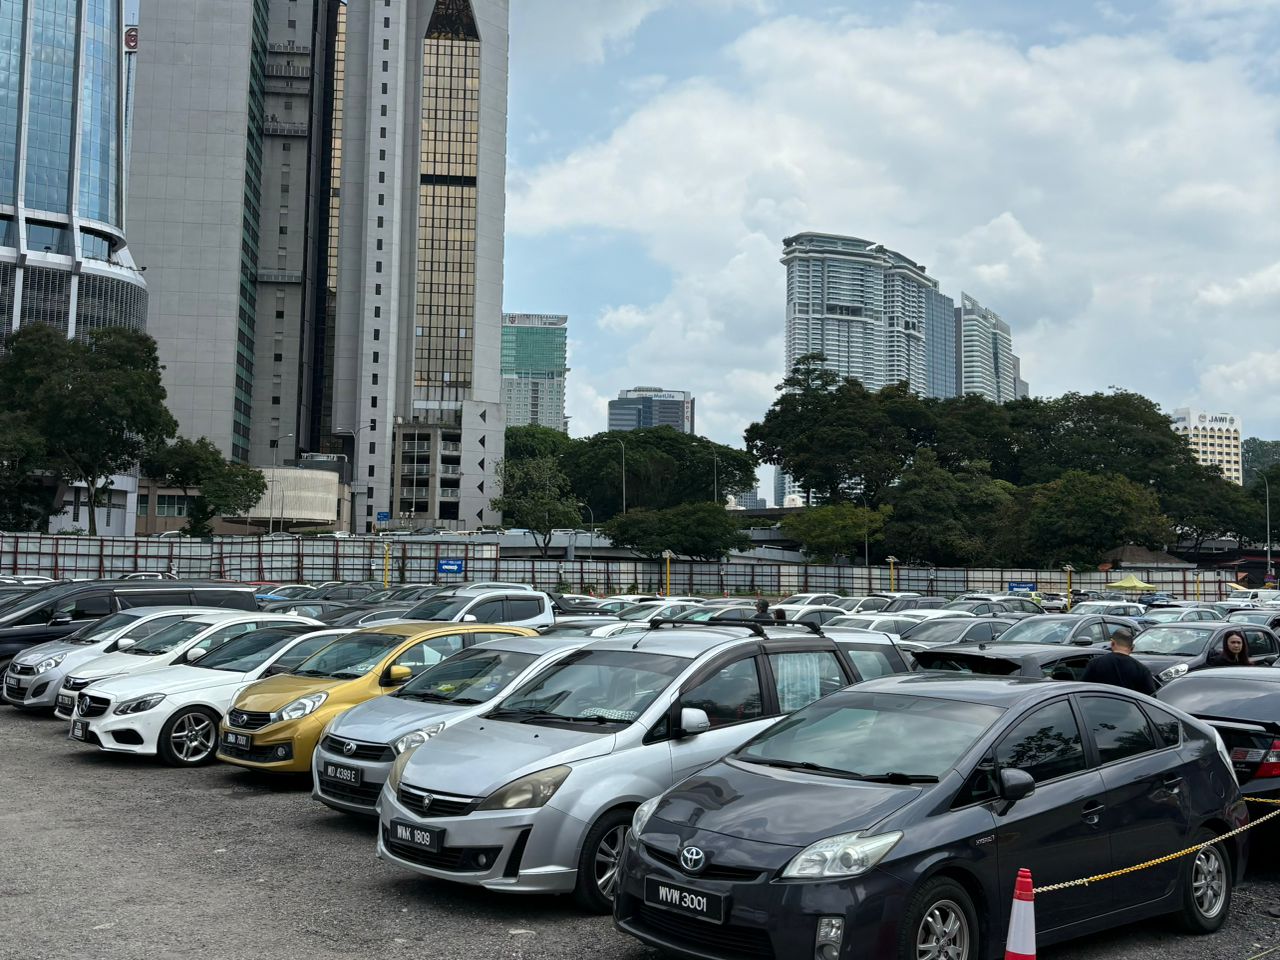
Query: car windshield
(378, 596)
(1092, 607)
(700, 614)
(291, 593)
(874, 735)
(641, 611)
(943, 630)
(242, 654)
(593, 687)
(965, 663)
(351, 657)
(470, 677)
(1173, 641)
(1038, 630)
(100, 628)
(1164, 616)
(861, 623)
(439, 608)
(967, 605)
(168, 639)
(1241, 616)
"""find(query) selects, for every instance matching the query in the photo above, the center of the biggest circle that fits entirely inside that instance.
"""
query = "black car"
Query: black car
(53, 612)
(983, 608)
(1265, 618)
(306, 607)
(1171, 650)
(365, 614)
(913, 603)
(1053, 661)
(1071, 629)
(1243, 705)
(944, 631)
(890, 819)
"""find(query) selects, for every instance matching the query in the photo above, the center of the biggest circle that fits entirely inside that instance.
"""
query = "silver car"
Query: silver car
(356, 751)
(35, 675)
(536, 795)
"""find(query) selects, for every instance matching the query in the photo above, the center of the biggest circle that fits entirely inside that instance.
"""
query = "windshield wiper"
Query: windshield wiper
(894, 776)
(802, 765)
(422, 695)
(346, 675)
(524, 716)
(310, 673)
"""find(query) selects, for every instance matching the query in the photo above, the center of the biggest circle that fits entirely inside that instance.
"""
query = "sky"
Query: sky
(1104, 175)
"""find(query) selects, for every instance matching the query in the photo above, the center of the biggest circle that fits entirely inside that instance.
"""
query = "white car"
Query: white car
(931, 614)
(171, 645)
(654, 610)
(174, 712)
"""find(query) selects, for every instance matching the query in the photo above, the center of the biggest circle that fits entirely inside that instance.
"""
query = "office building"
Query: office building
(1215, 438)
(939, 344)
(229, 144)
(652, 407)
(534, 350)
(1021, 389)
(63, 257)
(985, 363)
(749, 500)
(416, 386)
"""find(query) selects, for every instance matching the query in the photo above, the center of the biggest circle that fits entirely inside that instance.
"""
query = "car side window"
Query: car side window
(1119, 728)
(36, 618)
(1046, 744)
(219, 637)
(1068, 668)
(286, 662)
(802, 677)
(869, 663)
(1167, 725)
(490, 611)
(86, 606)
(1260, 644)
(730, 695)
(873, 603)
(148, 627)
(1094, 632)
(1118, 630)
(428, 653)
(979, 632)
(522, 608)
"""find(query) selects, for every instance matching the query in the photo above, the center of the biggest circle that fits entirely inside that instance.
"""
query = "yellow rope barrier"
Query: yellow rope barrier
(1173, 856)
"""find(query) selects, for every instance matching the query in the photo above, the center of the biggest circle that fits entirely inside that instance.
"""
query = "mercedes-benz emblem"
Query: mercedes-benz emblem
(348, 748)
(692, 859)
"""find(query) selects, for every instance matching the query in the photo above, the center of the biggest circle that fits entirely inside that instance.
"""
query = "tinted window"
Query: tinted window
(1045, 744)
(523, 609)
(729, 695)
(979, 632)
(873, 603)
(1260, 644)
(1093, 633)
(1119, 630)
(422, 655)
(1039, 630)
(869, 661)
(489, 611)
(153, 598)
(943, 630)
(473, 676)
(235, 599)
(1068, 668)
(1119, 728)
(295, 655)
(89, 606)
(801, 678)
(1167, 725)
(219, 637)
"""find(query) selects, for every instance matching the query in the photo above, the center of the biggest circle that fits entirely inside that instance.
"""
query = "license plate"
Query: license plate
(79, 729)
(11, 683)
(65, 702)
(424, 838)
(681, 899)
(336, 771)
(238, 740)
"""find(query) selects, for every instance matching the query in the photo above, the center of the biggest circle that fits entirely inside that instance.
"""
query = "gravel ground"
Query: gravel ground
(112, 858)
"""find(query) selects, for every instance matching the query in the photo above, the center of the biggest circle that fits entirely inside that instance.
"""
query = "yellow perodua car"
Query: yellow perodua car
(275, 724)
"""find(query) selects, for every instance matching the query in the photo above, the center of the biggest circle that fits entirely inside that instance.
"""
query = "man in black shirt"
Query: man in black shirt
(1119, 669)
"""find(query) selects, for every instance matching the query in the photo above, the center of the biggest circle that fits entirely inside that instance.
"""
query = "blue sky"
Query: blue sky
(1106, 176)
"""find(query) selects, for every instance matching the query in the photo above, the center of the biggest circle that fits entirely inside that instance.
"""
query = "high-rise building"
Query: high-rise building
(985, 363)
(416, 385)
(229, 150)
(642, 407)
(939, 344)
(1215, 439)
(534, 351)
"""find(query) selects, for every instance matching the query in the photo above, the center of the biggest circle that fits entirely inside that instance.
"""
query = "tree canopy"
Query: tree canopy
(700, 531)
(224, 489)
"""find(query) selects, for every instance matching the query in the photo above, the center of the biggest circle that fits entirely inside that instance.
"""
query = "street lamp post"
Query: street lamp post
(271, 502)
(715, 476)
(1266, 484)
(1068, 569)
(354, 434)
(893, 577)
(624, 473)
(591, 537)
(866, 533)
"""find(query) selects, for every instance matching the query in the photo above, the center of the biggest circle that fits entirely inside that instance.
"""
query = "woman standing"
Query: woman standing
(1232, 653)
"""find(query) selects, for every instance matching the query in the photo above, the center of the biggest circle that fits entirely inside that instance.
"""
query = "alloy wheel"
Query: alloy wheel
(192, 737)
(608, 853)
(1209, 882)
(943, 933)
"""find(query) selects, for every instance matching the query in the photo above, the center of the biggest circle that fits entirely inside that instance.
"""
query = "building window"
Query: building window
(293, 24)
(169, 505)
(386, 25)
(379, 245)
(373, 402)
(275, 401)
(375, 379)
(382, 199)
(385, 66)
(286, 146)
(283, 230)
(382, 155)
(371, 469)
(377, 333)
(382, 133)
(377, 289)
(384, 89)
(279, 314)
(380, 219)
(278, 358)
(375, 356)
(377, 313)
(382, 176)
(144, 504)
(386, 44)
(377, 266)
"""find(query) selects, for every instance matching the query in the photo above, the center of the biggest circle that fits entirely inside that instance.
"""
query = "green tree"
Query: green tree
(701, 531)
(26, 502)
(97, 405)
(536, 496)
(841, 529)
(1079, 516)
(213, 487)
(1257, 455)
(1203, 505)
(532, 441)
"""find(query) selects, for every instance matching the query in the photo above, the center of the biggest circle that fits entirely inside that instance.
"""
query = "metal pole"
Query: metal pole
(1268, 486)
(715, 476)
(866, 536)
(624, 474)
(271, 501)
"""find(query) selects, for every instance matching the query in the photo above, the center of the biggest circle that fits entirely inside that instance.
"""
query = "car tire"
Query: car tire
(1206, 886)
(600, 859)
(940, 913)
(189, 738)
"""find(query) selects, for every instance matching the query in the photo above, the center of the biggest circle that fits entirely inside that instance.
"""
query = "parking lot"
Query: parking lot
(115, 858)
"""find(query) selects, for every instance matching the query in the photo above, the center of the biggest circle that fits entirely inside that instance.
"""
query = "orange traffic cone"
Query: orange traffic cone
(1020, 944)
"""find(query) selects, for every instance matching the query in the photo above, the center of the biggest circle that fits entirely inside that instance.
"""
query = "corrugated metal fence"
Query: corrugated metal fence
(312, 560)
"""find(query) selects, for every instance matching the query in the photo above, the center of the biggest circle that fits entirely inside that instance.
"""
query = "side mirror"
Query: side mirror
(1015, 785)
(468, 618)
(395, 676)
(125, 643)
(60, 619)
(693, 722)
(194, 654)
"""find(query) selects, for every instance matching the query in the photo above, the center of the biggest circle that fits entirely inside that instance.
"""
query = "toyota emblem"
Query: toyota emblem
(348, 748)
(692, 859)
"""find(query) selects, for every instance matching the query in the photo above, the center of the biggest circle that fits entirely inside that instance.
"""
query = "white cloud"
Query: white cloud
(1223, 385)
(1087, 191)
(1252, 290)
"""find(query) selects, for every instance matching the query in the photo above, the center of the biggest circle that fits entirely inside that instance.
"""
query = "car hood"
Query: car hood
(383, 719)
(772, 805)
(33, 655)
(170, 681)
(1155, 662)
(479, 755)
(112, 664)
(269, 695)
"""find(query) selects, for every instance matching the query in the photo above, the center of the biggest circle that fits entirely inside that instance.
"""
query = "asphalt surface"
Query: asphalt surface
(114, 858)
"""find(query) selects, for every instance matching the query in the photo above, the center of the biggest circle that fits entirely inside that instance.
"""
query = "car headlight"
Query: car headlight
(642, 815)
(397, 770)
(302, 706)
(412, 741)
(1177, 670)
(531, 791)
(846, 855)
(48, 663)
(139, 704)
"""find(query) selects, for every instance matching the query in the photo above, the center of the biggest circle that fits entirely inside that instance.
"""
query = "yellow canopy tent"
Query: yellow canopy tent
(1130, 583)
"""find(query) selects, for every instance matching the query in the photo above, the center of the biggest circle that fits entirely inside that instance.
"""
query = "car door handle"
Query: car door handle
(1092, 813)
(1172, 783)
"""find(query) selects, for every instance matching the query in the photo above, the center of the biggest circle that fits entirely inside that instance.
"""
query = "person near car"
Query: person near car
(1119, 669)
(762, 611)
(1232, 654)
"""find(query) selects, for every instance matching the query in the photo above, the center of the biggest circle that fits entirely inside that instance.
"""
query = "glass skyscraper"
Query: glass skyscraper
(63, 258)
(534, 351)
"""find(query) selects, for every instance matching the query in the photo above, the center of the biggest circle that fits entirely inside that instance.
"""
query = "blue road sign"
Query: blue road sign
(450, 566)
(1027, 586)
(384, 516)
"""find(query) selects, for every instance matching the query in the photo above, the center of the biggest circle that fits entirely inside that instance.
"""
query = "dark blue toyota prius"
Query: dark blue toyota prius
(888, 821)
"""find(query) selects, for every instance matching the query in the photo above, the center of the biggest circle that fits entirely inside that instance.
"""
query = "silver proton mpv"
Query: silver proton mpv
(536, 795)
